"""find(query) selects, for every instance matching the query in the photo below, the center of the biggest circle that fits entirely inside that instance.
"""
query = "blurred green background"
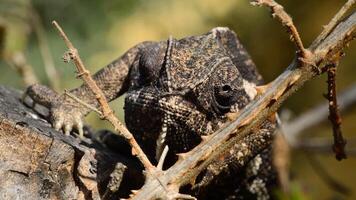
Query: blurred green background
(103, 30)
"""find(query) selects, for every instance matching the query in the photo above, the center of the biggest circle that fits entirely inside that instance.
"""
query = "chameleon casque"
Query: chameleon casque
(176, 92)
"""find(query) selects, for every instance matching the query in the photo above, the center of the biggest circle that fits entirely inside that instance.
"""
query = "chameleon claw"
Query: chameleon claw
(79, 126)
(58, 125)
(67, 129)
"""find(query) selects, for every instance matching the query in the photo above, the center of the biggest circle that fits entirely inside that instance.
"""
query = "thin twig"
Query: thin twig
(325, 176)
(322, 145)
(50, 69)
(107, 112)
(331, 25)
(162, 158)
(316, 115)
(90, 107)
(335, 117)
(282, 16)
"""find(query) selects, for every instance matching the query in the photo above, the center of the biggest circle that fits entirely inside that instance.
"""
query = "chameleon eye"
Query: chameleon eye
(226, 88)
(223, 98)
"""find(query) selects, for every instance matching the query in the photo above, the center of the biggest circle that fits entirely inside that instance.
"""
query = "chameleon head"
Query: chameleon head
(205, 86)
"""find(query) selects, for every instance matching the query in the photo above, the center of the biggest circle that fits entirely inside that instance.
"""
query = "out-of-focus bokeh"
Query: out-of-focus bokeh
(103, 30)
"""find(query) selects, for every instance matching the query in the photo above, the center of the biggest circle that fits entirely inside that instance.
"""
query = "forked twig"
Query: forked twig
(282, 16)
(107, 112)
(249, 118)
(335, 117)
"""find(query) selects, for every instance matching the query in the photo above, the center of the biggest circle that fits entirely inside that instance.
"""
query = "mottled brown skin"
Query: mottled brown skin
(177, 91)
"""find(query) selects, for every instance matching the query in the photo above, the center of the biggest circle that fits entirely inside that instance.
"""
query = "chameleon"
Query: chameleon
(177, 91)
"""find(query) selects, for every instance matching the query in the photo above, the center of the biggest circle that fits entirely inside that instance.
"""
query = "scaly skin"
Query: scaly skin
(177, 91)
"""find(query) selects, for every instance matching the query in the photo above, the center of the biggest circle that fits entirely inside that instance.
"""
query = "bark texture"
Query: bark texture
(37, 162)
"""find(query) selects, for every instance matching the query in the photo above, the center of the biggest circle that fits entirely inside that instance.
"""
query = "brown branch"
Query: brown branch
(294, 77)
(316, 115)
(282, 16)
(328, 28)
(335, 117)
(107, 112)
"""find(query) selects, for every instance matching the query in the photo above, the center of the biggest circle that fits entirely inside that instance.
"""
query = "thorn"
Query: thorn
(162, 158)
(262, 88)
(184, 196)
(232, 115)
(182, 156)
(192, 180)
(205, 137)
(273, 117)
(133, 152)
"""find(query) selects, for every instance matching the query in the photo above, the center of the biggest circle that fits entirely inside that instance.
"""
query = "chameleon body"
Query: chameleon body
(176, 92)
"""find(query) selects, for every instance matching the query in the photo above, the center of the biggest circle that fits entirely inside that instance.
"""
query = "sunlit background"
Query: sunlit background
(103, 30)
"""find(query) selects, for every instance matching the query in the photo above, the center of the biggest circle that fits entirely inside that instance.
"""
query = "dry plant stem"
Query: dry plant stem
(328, 28)
(281, 159)
(162, 158)
(107, 113)
(322, 146)
(192, 163)
(19, 63)
(316, 115)
(90, 107)
(335, 117)
(279, 13)
(50, 69)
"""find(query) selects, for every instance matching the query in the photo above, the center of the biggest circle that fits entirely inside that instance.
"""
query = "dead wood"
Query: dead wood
(37, 162)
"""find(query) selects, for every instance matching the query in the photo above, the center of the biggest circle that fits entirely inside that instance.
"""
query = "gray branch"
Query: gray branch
(294, 77)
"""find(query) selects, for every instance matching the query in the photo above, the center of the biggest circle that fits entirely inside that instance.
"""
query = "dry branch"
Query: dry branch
(107, 112)
(279, 13)
(335, 117)
(332, 24)
(253, 114)
(316, 115)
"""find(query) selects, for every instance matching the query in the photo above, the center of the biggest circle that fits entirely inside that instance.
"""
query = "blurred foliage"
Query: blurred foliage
(296, 193)
(103, 30)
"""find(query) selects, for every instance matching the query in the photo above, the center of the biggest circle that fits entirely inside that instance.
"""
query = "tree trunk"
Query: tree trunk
(37, 162)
